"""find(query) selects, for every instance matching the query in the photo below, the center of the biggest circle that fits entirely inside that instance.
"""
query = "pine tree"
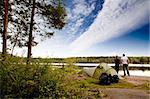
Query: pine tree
(47, 15)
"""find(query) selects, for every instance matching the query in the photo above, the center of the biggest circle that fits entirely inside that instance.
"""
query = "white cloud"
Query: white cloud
(116, 18)
(76, 16)
(82, 7)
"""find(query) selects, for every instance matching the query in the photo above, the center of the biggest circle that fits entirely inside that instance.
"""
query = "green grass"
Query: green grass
(44, 81)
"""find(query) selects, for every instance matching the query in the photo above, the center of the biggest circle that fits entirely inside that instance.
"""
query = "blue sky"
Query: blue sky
(99, 28)
(134, 43)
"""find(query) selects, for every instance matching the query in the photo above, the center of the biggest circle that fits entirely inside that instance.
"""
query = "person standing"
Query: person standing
(117, 63)
(125, 63)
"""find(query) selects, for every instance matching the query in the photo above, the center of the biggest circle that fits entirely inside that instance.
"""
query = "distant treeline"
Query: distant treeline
(106, 59)
(132, 60)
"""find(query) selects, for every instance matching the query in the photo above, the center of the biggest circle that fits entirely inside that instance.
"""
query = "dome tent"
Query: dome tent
(96, 72)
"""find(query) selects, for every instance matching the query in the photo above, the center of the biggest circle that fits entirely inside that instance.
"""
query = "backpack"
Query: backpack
(114, 79)
(104, 79)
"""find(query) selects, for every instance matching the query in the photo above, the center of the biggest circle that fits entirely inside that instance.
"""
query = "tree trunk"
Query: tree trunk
(30, 34)
(4, 48)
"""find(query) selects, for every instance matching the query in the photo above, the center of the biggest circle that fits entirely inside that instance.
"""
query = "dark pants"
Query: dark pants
(117, 67)
(125, 66)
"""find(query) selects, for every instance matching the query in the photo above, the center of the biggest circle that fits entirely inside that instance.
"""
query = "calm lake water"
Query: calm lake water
(136, 73)
(132, 72)
(96, 64)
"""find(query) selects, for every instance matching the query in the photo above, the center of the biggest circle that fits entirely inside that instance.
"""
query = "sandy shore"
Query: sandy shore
(125, 93)
(137, 80)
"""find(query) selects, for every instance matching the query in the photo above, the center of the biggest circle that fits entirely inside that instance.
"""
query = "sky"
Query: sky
(99, 28)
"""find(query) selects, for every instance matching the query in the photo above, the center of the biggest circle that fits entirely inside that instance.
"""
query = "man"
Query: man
(125, 62)
(117, 63)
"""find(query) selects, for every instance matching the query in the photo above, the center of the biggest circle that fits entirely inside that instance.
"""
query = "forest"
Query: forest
(106, 59)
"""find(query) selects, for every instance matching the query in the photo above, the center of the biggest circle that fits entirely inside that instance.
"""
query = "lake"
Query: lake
(132, 72)
(137, 73)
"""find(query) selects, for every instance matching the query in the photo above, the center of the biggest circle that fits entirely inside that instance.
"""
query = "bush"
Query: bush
(18, 80)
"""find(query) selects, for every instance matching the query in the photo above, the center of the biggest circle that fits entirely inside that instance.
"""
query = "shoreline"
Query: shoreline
(136, 92)
(138, 73)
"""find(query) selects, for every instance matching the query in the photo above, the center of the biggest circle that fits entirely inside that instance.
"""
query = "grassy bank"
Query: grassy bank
(45, 81)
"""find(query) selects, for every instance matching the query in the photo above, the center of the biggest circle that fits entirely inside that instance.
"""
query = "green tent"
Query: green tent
(95, 72)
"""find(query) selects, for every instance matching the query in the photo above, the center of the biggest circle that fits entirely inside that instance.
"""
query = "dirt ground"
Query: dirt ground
(124, 93)
(136, 80)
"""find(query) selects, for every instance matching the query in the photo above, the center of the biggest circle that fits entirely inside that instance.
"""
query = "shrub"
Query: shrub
(18, 80)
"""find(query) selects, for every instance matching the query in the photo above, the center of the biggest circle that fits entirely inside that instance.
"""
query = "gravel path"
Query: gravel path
(137, 80)
(116, 93)
(119, 93)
